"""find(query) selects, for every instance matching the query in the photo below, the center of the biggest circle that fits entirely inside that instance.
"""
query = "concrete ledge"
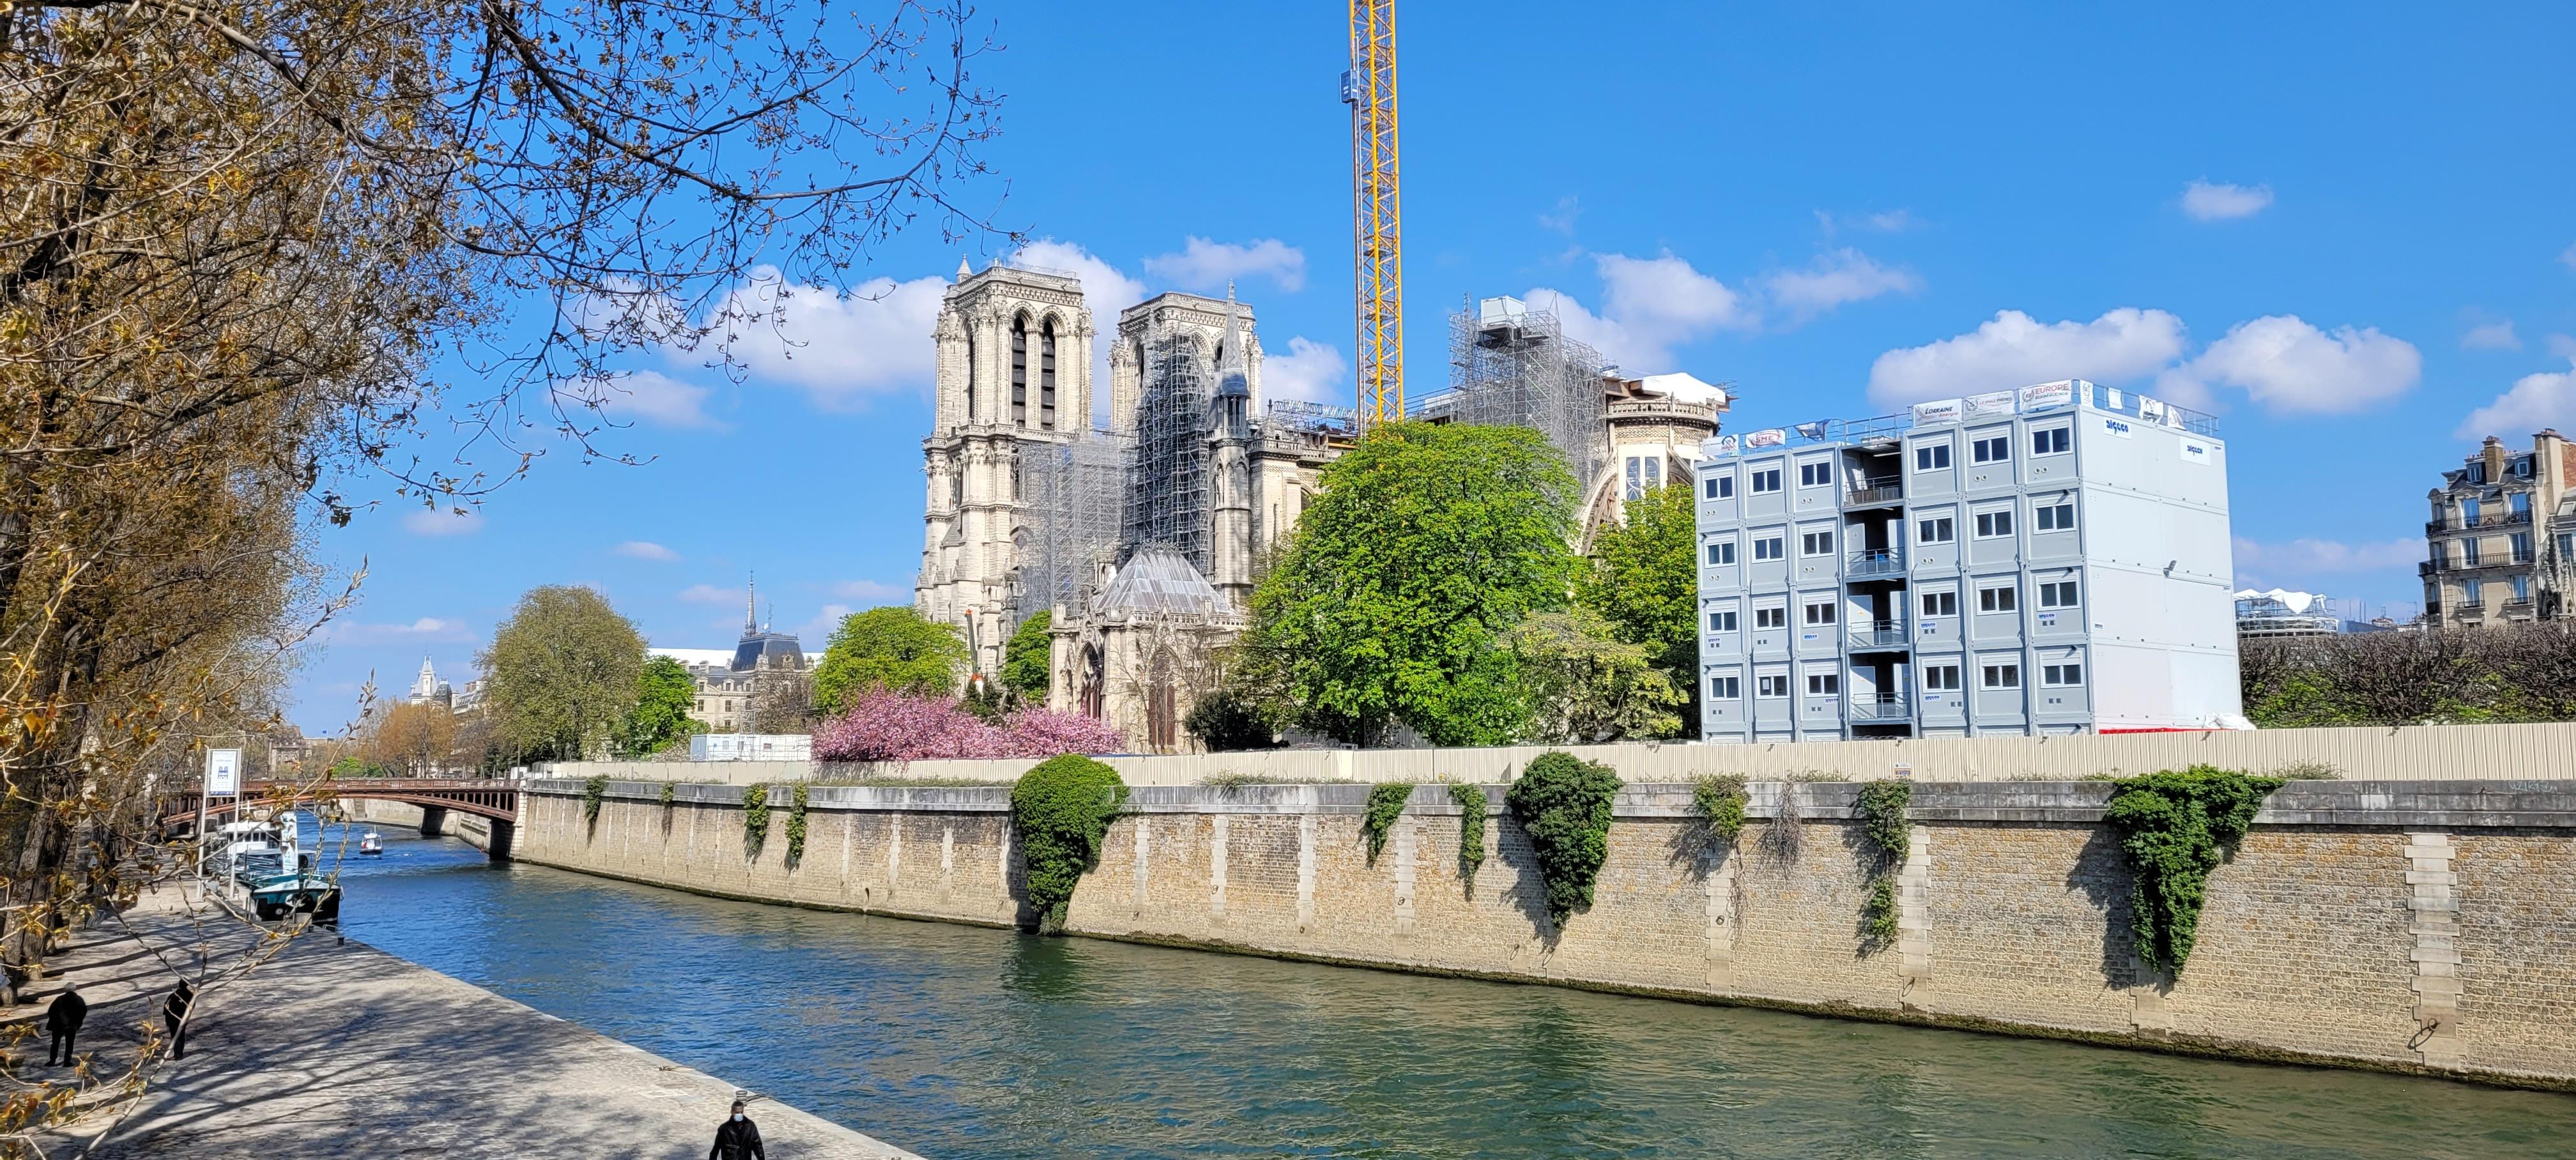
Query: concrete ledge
(2384, 804)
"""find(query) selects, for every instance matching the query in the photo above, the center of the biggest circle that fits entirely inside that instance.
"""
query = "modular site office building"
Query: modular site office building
(2053, 559)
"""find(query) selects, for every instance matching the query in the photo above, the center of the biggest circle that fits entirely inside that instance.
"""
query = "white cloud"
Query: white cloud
(813, 633)
(2013, 349)
(1104, 287)
(2209, 201)
(1845, 275)
(2293, 368)
(710, 594)
(840, 349)
(426, 630)
(1208, 265)
(1313, 371)
(2568, 256)
(2493, 336)
(1568, 208)
(645, 550)
(873, 590)
(443, 522)
(1894, 221)
(2547, 399)
(2304, 555)
(1649, 306)
(658, 398)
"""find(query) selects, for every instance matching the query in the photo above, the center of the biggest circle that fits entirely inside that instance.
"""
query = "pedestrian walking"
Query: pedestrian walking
(737, 1138)
(63, 1020)
(174, 1013)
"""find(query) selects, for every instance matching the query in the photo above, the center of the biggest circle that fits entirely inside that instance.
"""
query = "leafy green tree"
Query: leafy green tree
(664, 694)
(562, 673)
(1643, 580)
(894, 648)
(1026, 658)
(1584, 685)
(1226, 721)
(1428, 542)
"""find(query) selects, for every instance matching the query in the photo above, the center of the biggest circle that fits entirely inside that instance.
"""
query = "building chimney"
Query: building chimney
(2493, 455)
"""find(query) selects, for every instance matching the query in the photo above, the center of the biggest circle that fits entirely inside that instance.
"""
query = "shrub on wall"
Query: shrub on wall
(755, 820)
(1471, 830)
(1719, 802)
(2176, 828)
(593, 792)
(796, 826)
(1563, 803)
(1385, 805)
(1061, 810)
(670, 790)
(1883, 825)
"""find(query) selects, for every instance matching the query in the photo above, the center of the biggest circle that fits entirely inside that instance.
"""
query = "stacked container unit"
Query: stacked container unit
(2048, 560)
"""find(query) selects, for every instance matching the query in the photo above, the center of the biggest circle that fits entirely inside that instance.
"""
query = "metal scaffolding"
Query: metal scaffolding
(1167, 485)
(1510, 365)
(1070, 509)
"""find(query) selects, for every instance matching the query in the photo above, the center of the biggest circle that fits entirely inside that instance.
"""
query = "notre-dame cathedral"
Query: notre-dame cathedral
(1138, 530)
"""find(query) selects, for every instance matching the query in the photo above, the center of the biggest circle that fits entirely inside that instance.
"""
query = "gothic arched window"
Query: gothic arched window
(970, 376)
(1020, 370)
(1046, 376)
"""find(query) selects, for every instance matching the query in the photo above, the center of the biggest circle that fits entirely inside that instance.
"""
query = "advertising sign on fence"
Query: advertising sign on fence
(2056, 394)
(1936, 411)
(223, 771)
(1773, 437)
(1989, 405)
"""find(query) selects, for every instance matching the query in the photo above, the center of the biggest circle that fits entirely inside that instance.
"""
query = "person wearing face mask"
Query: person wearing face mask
(737, 1138)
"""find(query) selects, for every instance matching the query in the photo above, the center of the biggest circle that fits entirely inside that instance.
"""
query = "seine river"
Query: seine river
(964, 1042)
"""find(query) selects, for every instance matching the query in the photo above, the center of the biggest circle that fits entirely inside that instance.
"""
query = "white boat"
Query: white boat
(371, 844)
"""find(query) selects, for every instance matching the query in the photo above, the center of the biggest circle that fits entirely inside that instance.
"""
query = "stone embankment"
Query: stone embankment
(332, 1049)
(2408, 926)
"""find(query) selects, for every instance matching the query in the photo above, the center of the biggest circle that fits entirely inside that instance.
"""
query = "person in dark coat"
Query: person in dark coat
(737, 1139)
(63, 1019)
(174, 1013)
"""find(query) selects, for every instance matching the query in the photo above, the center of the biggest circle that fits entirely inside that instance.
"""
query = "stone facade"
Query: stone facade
(2016, 917)
(2501, 543)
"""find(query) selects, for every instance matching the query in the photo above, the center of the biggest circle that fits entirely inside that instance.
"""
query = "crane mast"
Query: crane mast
(1376, 230)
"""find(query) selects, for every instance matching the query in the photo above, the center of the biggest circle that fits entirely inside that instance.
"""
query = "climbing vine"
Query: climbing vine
(1563, 803)
(2176, 828)
(593, 792)
(1385, 805)
(1719, 802)
(1061, 810)
(755, 819)
(670, 790)
(1882, 813)
(796, 826)
(1471, 830)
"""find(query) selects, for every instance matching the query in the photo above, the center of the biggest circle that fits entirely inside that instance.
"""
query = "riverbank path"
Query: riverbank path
(338, 1049)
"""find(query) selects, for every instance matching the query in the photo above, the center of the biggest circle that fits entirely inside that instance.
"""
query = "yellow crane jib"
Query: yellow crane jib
(1376, 226)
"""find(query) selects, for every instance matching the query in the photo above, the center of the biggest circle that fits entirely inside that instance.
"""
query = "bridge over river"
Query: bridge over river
(493, 799)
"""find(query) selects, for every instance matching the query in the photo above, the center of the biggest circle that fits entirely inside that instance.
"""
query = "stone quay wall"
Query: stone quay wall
(2408, 926)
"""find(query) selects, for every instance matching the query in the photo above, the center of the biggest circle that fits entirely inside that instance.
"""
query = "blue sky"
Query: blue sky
(2350, 231)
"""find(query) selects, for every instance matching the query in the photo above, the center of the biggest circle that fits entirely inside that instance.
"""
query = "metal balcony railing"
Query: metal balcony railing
(1880, 707)
(1875, 562)
(2502, 519)
(1878, 634)
(1878, 489)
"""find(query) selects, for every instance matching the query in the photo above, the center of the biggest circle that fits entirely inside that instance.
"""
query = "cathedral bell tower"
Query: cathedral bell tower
(1013, 373)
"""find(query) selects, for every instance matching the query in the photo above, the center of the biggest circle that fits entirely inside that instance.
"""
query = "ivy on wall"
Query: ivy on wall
(670, 790)
(1886, 831)
(796, 826)
(755, 820)
(1563, 803)
(593, 792)
(1719, 802)
(1471, 830)
(1062, 810)
(1385, 805)
(2176, 828)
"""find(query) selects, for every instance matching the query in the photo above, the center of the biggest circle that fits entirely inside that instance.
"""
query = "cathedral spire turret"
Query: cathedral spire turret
(751, 606)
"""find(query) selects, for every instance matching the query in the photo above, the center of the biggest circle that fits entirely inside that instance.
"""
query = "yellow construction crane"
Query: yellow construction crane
(1377, 236)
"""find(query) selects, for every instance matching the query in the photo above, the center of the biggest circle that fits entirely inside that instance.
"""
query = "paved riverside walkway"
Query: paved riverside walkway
(332, 1050)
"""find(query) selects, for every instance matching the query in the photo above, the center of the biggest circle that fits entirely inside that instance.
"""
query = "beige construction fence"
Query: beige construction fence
(2407, 753)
